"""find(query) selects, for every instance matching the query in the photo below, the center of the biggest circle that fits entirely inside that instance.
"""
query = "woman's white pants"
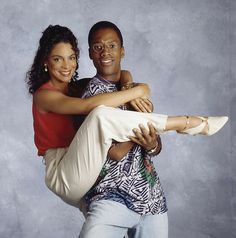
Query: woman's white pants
(72, 171)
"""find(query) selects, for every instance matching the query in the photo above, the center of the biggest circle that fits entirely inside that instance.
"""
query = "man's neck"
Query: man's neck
(115, 78)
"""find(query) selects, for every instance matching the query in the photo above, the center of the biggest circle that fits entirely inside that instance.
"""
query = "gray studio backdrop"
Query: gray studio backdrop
(185, 51)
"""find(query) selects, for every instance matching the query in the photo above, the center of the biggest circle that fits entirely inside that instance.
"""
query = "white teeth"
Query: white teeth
(65, 73)
(105, 61)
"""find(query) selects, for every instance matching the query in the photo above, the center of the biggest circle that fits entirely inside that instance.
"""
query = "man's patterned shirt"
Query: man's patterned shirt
(132, 181)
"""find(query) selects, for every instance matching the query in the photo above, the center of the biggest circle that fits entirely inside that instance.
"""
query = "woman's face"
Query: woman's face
(61, 63)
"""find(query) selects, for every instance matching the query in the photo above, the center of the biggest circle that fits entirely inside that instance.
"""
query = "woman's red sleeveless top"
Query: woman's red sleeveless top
(51, 130)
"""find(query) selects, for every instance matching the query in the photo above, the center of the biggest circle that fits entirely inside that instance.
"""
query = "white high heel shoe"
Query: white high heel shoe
(214, 124)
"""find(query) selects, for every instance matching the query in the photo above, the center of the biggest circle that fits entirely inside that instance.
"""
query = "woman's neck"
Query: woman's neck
(61, 86)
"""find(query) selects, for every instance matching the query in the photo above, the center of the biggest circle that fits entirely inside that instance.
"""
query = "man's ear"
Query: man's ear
(90, 53)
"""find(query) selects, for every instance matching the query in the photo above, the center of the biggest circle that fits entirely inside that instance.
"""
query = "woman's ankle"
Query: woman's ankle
(187, 122)
(176, 123)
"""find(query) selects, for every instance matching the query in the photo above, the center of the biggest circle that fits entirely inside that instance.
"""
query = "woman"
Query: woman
(74, 159)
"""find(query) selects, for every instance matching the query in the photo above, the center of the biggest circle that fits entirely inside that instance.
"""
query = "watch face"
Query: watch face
(152, 150)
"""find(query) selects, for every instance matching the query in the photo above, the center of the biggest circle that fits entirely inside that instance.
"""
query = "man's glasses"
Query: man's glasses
(100, 47)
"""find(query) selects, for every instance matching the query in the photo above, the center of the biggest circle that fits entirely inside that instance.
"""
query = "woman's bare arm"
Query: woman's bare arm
(137, 104)
(55, 101)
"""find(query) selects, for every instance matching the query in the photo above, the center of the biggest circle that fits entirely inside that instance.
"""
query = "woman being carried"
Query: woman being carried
(74, 158)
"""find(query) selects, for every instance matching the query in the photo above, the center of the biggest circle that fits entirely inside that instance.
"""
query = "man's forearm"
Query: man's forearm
(119, 150)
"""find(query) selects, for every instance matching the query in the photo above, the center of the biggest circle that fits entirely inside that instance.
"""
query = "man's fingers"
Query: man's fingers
(145, 136)
(135, 140)
(152, 129)
(138, 134)
(141, 137)
(144, 131)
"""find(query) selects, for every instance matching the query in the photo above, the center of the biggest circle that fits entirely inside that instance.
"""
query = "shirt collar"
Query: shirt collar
(106, 81)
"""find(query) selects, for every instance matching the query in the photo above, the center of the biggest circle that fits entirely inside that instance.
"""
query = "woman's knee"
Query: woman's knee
(97, 115)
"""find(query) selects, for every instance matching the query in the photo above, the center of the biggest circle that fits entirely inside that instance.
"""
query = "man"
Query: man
(128, 193)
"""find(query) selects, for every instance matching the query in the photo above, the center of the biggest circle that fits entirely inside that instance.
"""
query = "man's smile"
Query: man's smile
(106, 61)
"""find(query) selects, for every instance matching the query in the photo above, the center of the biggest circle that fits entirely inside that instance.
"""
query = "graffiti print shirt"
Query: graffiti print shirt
(132, 181)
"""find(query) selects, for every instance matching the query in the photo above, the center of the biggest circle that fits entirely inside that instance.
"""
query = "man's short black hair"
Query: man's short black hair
(103, 25)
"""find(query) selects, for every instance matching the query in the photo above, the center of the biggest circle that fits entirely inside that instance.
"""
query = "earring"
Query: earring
(45, 68)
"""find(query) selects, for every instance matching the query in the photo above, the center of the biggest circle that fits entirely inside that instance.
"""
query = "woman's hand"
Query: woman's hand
(140, 105)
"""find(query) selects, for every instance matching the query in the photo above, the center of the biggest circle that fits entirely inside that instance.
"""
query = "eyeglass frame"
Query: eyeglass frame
(109, 46)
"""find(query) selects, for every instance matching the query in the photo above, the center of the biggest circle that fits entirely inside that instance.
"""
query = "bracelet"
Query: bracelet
(128, 86)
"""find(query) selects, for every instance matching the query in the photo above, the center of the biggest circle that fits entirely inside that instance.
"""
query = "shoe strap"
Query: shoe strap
(197, 129)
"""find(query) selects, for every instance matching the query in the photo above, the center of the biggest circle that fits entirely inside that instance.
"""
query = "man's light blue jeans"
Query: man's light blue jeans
(109, 219)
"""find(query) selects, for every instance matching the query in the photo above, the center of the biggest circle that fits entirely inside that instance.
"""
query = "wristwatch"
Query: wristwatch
(152, 151)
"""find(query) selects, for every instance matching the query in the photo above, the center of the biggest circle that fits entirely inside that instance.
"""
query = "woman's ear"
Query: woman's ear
(122, 52)
(45, 62)
(45, 66)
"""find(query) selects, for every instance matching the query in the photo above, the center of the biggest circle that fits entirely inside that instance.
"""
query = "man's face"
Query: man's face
(106, 52)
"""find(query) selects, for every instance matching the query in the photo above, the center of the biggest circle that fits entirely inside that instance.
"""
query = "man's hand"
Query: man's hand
(148, 139)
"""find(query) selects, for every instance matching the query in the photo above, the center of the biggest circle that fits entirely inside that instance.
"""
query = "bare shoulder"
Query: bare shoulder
(45, 99)
(58, 102)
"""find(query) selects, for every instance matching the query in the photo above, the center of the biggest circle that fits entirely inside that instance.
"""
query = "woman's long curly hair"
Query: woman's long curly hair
(52, 35)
